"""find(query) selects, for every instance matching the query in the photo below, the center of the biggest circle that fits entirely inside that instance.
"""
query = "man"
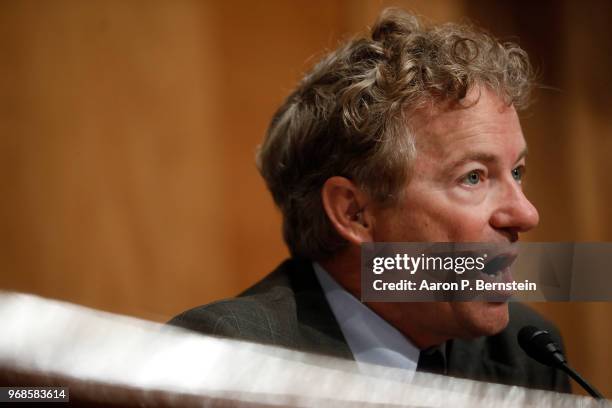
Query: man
(410, 135)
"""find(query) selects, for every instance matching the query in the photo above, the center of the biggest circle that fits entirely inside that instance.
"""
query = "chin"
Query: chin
(481, 318)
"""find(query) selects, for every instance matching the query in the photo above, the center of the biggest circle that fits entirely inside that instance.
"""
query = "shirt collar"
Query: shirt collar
(371, 339)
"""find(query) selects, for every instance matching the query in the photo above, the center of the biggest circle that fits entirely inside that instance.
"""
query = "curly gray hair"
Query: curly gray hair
(348, 116)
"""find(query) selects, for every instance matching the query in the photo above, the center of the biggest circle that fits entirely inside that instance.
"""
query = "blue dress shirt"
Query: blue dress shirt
(371, 339)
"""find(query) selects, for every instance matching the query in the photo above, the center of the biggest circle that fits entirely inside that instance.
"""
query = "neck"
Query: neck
(345, 268)
(406, 317)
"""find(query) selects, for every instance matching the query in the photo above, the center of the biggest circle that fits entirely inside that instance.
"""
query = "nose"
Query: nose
(514, 212)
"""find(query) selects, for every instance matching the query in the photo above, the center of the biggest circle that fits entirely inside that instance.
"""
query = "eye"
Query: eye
(518, 173)
(472, 178)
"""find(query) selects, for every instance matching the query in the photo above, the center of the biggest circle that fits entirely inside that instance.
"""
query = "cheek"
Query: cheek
(429, 214)
(467, 225)
(444, 221)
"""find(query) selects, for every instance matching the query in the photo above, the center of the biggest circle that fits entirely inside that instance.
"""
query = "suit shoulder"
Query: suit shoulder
(260, 314)
(522, 315)
(505, 349)
(504, 345)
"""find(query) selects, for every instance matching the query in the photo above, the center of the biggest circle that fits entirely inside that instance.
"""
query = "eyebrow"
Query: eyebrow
(482, 157)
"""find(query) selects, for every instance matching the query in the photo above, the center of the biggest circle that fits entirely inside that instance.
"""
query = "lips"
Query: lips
(498, 270)
(498, 264)
(499, 258)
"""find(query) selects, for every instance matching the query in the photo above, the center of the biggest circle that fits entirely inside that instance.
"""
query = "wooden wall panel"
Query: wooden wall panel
(111, 191)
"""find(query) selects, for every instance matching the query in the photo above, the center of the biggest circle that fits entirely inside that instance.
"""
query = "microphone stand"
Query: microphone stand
(583, 383)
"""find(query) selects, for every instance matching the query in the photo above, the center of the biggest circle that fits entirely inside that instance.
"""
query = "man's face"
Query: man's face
(465, 186)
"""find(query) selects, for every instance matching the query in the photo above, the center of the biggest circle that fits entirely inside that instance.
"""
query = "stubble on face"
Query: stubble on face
(439, 206)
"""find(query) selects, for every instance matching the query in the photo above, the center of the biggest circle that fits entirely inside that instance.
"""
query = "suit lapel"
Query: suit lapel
(470, 359)
(318, 329)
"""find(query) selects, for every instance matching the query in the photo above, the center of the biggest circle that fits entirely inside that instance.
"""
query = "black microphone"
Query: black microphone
(539, 345)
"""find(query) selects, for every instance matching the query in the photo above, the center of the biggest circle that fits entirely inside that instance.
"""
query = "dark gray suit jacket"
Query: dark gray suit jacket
(288, 308)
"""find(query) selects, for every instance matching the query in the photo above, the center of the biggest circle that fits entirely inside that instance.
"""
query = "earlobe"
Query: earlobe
(347, 208)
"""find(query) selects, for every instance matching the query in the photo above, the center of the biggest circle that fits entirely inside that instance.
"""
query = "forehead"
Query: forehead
(484, 123)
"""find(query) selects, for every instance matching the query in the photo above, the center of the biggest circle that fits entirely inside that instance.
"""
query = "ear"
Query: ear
(348, 208)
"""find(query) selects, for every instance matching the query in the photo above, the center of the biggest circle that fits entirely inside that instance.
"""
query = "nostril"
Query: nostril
(511, 234)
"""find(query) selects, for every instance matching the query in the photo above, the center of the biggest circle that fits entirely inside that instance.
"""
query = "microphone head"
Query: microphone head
(539, 345)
